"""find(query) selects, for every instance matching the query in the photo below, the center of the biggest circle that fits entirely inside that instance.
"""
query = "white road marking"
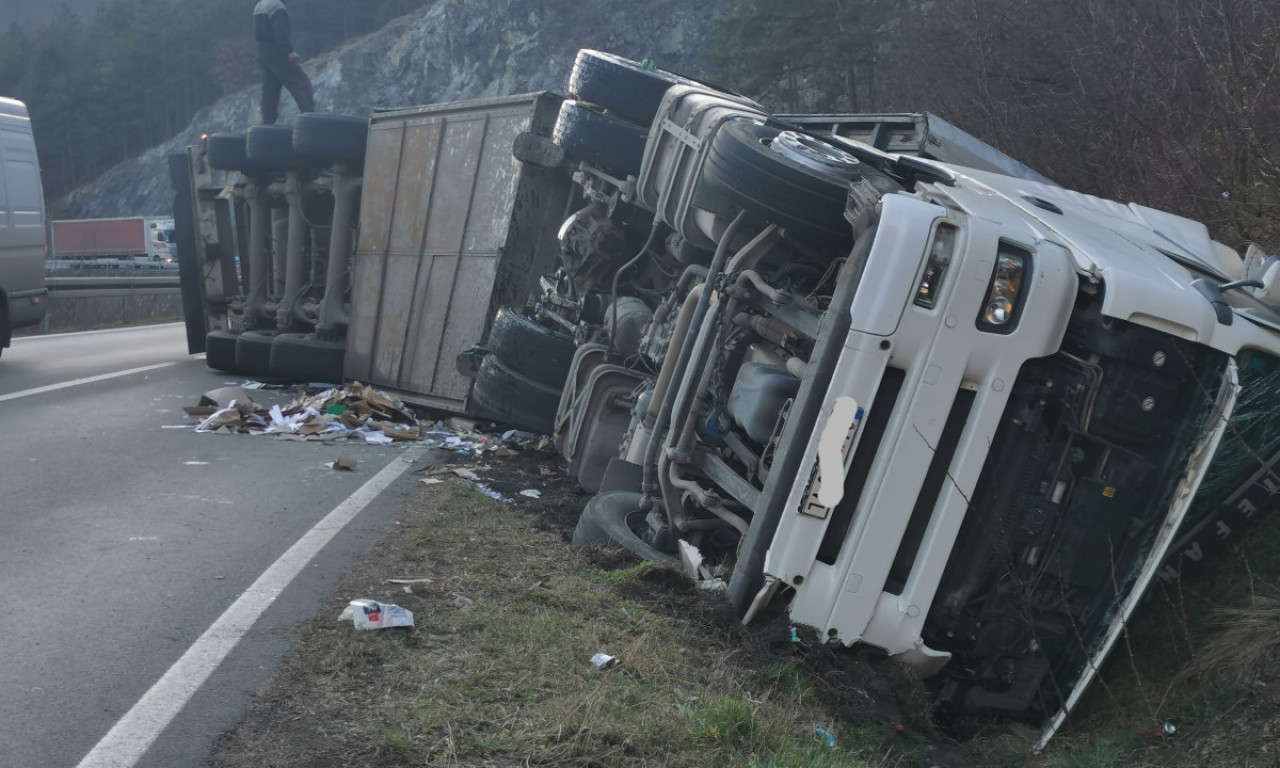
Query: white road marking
(85, 380)
(196, 463)
(130, 738)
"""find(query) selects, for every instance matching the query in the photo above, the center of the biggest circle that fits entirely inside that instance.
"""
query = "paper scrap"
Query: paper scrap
(531, 493)
(459, 424)
(603, 661)
(371, 614)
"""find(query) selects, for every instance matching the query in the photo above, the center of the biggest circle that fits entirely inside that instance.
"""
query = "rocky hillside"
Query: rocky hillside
(450, 50)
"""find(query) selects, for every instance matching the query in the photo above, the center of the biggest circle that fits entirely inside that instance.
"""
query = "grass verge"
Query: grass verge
(497, 669)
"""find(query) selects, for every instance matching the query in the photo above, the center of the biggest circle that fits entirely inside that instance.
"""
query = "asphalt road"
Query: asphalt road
(125, 536)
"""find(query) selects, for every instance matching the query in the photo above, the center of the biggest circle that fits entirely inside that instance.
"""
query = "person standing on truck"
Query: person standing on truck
(278, 61)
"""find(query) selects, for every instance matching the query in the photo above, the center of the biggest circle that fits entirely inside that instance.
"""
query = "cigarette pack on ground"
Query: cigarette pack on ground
(371, 614)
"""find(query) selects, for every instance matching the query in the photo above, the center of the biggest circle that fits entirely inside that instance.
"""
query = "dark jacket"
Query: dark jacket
(271, 28)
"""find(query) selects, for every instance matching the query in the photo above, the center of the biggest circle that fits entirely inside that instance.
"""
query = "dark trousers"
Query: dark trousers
(278, 71)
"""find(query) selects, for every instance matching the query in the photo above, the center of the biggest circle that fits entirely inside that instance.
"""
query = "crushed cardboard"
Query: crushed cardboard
(354, 412)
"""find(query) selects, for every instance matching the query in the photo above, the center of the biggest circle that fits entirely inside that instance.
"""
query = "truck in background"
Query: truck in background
(22, 244)
(131, 241)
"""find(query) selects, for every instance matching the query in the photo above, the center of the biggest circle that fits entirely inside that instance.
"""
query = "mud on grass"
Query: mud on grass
(497, 671)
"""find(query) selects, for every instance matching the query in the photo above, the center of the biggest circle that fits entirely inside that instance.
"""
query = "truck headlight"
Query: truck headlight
(941, 249)
(1004, 295)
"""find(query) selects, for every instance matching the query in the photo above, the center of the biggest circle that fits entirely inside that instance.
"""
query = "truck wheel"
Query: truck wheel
(620, 85)
(505, 396)
(220, 351)
(227, 152)
(788, 178)
(272, 146)
(305, 358)
(524, 345)
(336, 138)
(608, 519)
(598, 139)
(253, 353)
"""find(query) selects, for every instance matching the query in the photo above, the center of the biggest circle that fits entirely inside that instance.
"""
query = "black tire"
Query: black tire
(271, 146)
(523, 345)
(220, 351)
(585, 133)
(253, 353)
(620, 85)
(808, 198)
(507, 397)
(226, 152)
(605, 519)
(336, 138)
(305, 358)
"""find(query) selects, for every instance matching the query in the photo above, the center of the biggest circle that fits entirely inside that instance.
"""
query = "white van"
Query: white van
(23, 295)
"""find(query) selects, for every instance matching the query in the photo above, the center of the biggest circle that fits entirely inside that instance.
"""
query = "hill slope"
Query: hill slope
(451, 50)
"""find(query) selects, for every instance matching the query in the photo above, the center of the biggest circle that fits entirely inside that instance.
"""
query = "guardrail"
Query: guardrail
(104, 287)
(53, 266)
(94, 301)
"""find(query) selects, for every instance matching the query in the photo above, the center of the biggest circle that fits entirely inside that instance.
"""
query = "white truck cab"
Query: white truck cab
(1037, 380)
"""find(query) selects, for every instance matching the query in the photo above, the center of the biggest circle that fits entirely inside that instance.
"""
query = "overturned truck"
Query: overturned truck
(861, 365)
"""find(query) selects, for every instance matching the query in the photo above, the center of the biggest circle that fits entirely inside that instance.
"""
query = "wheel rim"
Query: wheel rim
(637, 521)
(816, 155)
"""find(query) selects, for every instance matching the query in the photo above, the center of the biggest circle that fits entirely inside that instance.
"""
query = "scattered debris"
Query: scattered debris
(466, 474)
(487, 491)
(603, 661)
(344, 463)
(353, 412)
(463, 603)
(827, 738)
(461, 425)
(1164, 729)
(691, 562)
(431, 480)
(531, 493)
(371, 614)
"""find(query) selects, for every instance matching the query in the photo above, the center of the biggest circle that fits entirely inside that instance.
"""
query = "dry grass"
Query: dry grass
(1245, 646)
(497, 670)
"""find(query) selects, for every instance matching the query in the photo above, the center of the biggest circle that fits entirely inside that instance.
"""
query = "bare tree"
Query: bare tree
(1170, 102)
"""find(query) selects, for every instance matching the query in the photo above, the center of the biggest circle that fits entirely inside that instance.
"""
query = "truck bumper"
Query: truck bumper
(906, 369)
(27, 307)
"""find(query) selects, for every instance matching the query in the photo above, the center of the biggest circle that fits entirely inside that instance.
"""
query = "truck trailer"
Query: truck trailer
(863, 368)
(143, 241)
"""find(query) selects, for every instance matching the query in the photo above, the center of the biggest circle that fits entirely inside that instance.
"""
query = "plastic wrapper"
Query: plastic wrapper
(371, 614)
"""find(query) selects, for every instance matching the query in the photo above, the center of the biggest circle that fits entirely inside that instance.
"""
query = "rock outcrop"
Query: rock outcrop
(447, 51)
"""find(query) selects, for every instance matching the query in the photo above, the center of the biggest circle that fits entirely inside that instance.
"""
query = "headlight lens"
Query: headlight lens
(1006, 288)
(941, 250)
